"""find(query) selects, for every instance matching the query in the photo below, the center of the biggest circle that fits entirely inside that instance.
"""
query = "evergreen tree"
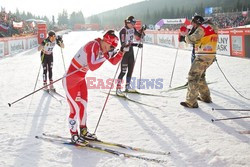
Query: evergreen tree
(63, 18)
(53, 20)
(76, 18)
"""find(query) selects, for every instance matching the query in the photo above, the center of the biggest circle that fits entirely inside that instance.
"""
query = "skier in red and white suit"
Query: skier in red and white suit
(90, 57)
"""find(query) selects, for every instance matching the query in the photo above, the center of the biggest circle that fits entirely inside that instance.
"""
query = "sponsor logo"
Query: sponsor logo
(42, 35)
(208, 48)
(72, 122)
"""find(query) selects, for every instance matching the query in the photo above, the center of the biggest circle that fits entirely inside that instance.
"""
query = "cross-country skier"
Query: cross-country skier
(46, 48)
(127, 34)
(89, 57)
(205, 38)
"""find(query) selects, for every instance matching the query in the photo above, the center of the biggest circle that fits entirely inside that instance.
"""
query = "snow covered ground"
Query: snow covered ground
(188, 134)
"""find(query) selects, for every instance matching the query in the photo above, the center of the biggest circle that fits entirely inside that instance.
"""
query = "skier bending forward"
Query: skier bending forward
(90, 57)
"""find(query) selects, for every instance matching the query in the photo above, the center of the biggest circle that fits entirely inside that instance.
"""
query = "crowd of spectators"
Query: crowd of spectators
(229, 20)
(11, 25)
(222, 20)
(171, 27)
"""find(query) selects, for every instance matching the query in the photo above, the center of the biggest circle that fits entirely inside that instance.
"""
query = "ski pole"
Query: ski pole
(136, 58)
(173, 67)
(39, 71)
(63, 58)
(230, 109)
(213, 120)
(106, 99)
(140, 42)
(10, 104)
(141, 68)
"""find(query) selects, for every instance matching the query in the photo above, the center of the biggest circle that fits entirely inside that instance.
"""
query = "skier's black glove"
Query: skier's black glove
(125, 45)
(190, 32)
(144, 27)
(182, 39)
(59, 39)
(122, 48)
(140, 45)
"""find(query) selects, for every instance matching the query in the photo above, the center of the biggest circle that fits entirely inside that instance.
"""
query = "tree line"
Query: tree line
(149, 12)
(64, 19)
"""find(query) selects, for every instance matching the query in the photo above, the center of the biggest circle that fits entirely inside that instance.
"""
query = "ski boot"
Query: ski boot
(51, 87)
(119, 92)
(77, 140)
(45, 86)
(129, 89)
(206, 100)
(185, 104)
(85, 135)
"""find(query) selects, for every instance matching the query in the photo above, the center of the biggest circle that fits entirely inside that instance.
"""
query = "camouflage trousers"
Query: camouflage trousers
(197, 85)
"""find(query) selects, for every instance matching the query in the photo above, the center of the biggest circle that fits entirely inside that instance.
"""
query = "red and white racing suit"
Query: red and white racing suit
(89, 57)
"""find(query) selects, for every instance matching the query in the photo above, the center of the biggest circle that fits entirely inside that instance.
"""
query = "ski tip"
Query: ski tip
(9, 104)
(212, 120)
(213, 109)
(36, 137)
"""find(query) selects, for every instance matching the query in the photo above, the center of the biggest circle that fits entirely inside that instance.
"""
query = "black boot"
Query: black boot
(84, 134)
(76, 139)
(207, 100)
(185, 104)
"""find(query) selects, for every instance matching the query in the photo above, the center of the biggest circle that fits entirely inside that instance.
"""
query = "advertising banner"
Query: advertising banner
(223, 45)
(149, 38)
(32, 42)
(16, 46)
(168, 40)
(237, 47)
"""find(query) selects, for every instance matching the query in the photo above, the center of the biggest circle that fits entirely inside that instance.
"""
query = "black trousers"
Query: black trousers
(47, 63)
